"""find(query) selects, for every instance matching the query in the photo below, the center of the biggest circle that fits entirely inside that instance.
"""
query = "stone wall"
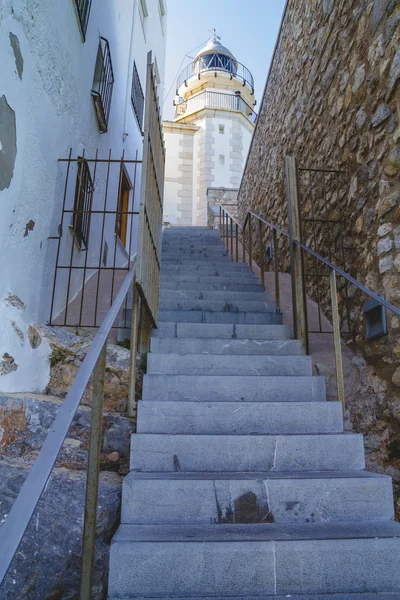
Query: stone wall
(225, 197)
(332, 99)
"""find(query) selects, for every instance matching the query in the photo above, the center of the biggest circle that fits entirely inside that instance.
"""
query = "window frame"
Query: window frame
(137, 97)
(82, 9)
(124, 197)
(83, 201)
(143, 14)
(162, 11)
(103, 79)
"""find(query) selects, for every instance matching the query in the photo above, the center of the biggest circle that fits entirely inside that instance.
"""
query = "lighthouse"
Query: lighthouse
(208, 140)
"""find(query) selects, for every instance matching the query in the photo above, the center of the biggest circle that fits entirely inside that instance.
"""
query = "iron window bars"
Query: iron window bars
(83, 12)
(82, 203)
(137, 97)
(103, 83)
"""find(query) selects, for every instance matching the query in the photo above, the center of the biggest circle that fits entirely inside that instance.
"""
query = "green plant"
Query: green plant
(57, 355)
(143, 362)
(126, 343)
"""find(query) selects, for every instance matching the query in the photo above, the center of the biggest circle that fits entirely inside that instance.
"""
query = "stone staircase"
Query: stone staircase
(243, 483)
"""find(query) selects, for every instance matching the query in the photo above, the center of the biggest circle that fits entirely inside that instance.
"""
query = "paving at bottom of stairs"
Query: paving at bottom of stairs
(243, 482)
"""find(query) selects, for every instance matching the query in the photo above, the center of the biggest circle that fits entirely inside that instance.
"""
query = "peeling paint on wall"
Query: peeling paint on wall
(8, 143)
(13, 300)
(19, 61)
(7, 364)
(29, 227)
(18, 331)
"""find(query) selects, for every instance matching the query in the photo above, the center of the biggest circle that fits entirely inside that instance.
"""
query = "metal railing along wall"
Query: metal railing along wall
(233, 232)
(232, 68)
(143, 280)
(216, 100)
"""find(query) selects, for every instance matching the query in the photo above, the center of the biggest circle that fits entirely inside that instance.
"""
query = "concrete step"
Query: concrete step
(232, 418)
(219, 364)
(206, 498)
(214, 453)
(221, 305)
(258, 560)
(207, 316)
(201, 278)
(176, 295)
(223, 263)
(195, 286)
(222, 346)
(217, 388)
(222, 331)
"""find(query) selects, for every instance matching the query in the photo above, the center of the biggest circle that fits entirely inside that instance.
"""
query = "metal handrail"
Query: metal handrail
(16, 523)
(233, 69)
(215, 100)
(297, 247)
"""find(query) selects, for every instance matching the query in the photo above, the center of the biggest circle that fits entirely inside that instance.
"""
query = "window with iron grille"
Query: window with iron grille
(82, 203)
(83, 11)
(137, 97)
(103, 83)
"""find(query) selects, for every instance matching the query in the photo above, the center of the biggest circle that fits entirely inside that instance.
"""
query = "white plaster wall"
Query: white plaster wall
(54, 112)
(171, 185)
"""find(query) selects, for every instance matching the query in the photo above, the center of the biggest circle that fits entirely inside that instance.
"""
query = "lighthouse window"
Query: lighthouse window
(222, 159)
(221, 129)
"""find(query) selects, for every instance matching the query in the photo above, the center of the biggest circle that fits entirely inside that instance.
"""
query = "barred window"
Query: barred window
(83, 12)
(103, 83)
(137, 97)
(82, 203)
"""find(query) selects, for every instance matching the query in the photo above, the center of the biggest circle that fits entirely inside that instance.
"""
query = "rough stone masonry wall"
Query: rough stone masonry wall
(333, 100)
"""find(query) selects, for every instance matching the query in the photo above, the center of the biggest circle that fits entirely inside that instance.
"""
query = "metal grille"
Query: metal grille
(137, 97)
(86, 283)
(324, 229)
(218, 63)
(151, 201)
(103, 84)
(83, 10)
(82, 203)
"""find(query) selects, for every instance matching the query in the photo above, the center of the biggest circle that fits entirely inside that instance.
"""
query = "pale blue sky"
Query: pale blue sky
(248, 28)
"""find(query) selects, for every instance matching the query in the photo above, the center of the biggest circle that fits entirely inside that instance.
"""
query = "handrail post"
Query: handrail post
(92, 480)
(261, 248)
(250, 244)
(237, 242)
(276, 269)
(220, 220)
(131, 408)
(226, 231)
(231, 238)
(296, 255)
(244, 242)
(336, 339)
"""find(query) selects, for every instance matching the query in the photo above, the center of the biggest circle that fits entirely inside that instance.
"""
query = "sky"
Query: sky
(248, 28)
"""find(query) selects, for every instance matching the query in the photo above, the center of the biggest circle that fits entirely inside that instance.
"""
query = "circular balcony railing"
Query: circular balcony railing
(215, 100)
(215, 65)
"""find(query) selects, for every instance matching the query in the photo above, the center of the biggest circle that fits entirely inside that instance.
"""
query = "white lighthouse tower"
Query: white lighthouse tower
(208, 140)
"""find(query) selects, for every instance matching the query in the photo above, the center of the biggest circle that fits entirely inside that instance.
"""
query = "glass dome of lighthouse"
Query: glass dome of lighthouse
(215, 56)
(217, 59)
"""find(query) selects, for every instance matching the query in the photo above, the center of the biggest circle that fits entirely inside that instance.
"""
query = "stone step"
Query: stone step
(345, 596)
(221, 305)
(176, 295)
(200, 278)
(222, 331)
(257, 560)
(208, 316)
(211, 364)
(222, 346)
(223, 263)
(280, 498)
(217, 388)
(232, 418)
(195, 286)
(186, 453)
(207, 269)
